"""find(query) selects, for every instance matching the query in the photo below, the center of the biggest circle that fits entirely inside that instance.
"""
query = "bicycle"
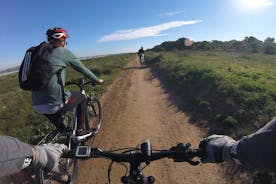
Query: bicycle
(141, 58)
(93, 122)
(143, 153)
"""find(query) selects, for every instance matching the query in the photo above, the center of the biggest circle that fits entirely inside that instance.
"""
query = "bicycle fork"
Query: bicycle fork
(136, 176)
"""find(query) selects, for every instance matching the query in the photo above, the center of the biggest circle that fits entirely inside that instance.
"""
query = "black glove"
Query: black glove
(217, 148)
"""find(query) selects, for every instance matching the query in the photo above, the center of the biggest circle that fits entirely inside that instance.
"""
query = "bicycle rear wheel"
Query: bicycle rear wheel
(94, 115)
(142, 59)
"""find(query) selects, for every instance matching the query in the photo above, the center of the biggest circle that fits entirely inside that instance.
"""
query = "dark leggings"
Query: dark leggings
(76, 99)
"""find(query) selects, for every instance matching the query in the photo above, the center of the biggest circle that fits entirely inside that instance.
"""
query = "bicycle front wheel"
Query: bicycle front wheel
(94, 115)
(72, 169)
(68, 166)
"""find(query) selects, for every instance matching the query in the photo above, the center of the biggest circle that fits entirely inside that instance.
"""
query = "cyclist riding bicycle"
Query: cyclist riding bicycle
(53, 101)
(140, 53)
(256, 150)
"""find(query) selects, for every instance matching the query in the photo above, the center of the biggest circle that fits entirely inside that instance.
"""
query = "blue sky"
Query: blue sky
(99, 27)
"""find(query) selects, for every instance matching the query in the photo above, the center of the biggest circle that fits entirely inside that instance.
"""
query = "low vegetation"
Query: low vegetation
(247, 45)
(231, 90)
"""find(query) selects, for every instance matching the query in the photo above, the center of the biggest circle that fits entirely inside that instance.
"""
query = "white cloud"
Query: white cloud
(143, 32)
(171, 13)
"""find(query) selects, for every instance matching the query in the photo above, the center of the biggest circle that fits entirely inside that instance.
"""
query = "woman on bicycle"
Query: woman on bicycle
(53, 100)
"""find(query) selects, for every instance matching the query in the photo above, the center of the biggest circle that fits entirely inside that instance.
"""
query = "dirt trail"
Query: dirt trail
(136, 107)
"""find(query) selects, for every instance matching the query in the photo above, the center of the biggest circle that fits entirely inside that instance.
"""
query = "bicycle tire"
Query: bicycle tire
(72, 169)
(72, 165)
(142, 59)
(94, 115)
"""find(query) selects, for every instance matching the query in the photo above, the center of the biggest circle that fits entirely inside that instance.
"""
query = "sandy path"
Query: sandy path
(136, 107)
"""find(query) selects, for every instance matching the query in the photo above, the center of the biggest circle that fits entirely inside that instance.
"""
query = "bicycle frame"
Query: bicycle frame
(52, 136)
(81, 85)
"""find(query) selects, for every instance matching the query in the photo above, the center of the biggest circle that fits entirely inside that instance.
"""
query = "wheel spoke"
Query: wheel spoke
(94, 115)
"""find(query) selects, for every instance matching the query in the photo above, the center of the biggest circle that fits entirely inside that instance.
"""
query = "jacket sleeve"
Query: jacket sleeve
(14, 155)
(258, 150)
(74, 62)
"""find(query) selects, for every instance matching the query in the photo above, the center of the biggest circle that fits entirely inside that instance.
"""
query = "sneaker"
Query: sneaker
(83, 134)
(62, 178)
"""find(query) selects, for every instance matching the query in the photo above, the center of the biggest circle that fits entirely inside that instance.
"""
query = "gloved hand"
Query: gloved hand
(217, 148)
(47, 156)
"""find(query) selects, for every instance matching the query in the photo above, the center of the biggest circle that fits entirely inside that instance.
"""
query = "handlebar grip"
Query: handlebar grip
(183, 153)
(81, 82)
(68, 154)
(68, 83)
(203, 149)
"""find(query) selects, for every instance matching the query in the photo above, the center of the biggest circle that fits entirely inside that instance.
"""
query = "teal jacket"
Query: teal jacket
(60, 57)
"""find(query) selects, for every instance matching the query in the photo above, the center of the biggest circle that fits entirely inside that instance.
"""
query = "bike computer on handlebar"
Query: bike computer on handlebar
(83, 152)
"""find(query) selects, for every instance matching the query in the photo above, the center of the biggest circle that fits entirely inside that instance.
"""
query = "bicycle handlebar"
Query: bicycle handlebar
(136, 156)
(79, 82)
(179, 153)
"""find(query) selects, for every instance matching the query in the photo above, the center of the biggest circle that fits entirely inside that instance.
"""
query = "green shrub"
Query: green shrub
(219, 117)
(204, 106)
(229, 121)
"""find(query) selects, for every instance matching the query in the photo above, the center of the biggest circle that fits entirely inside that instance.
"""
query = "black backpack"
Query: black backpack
(36, 70)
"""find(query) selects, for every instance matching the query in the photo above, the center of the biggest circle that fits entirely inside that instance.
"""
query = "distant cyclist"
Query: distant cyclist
(257, 150)
(141, 55)
(53, 100)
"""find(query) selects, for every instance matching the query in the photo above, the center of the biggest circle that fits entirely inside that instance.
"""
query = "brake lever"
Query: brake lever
(192, 162)
(202, 149)
(183, 153)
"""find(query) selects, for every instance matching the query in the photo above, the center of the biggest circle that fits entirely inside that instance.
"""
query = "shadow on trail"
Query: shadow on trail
(175, 97)
(135, 67)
